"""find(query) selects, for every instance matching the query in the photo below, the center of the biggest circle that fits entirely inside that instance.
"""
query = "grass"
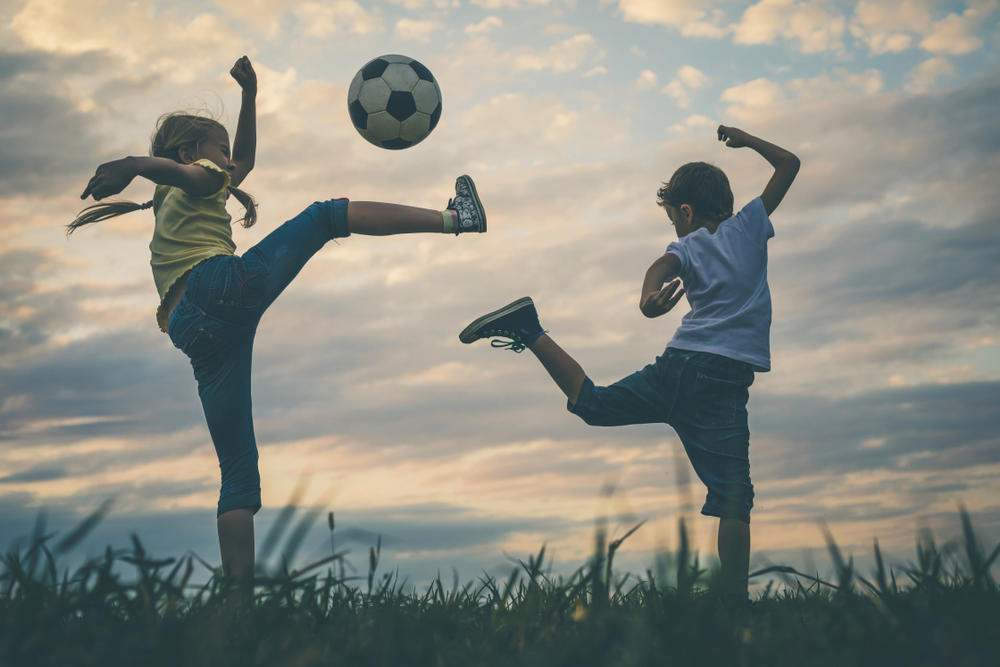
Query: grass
(941, 609)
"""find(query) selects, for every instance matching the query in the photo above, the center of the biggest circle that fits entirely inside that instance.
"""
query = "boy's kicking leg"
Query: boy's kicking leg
(636, 399)
(564, 369)
(518, 321)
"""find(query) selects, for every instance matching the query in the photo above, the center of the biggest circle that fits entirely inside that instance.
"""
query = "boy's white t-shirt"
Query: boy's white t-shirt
(725, 282)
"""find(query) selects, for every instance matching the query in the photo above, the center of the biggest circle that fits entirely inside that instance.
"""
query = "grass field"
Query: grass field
(130, 608)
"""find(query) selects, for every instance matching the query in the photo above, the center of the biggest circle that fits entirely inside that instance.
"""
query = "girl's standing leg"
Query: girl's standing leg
(236, 543)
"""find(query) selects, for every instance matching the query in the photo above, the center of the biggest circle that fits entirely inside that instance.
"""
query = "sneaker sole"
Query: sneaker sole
(468, 334)
(465, 178)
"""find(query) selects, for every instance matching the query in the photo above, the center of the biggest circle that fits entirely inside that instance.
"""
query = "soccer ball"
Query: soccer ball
(394, 102)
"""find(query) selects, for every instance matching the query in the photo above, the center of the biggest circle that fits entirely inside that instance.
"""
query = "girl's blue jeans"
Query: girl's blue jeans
(214, 325)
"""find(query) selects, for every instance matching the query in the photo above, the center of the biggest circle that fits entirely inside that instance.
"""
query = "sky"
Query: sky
(879, 417)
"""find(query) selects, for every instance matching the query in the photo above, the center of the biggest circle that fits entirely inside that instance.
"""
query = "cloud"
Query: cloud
(696, 121)
(509, 4)
(486, 25)
(927, 427)
(31, 97)
(323, 19)
(688, 78)
(952, 35)
(812, 25)
(887, 27)
(922, 77)
(894, 26)
(688, 16)
(418, 31)
(646, 80)
(570, 54)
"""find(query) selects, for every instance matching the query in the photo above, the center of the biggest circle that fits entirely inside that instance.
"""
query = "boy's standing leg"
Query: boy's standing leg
(734, 555)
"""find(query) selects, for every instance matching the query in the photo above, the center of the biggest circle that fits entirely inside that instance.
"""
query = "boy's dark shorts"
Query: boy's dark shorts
(703, 397)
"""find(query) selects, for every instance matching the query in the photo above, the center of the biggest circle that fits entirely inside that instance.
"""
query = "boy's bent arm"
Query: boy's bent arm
(786, 164)
(657, 298)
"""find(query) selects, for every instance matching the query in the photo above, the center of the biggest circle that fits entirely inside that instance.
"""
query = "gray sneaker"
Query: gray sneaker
(471, 216)
(518, 321)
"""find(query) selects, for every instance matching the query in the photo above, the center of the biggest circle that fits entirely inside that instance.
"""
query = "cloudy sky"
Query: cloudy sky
(879, 417)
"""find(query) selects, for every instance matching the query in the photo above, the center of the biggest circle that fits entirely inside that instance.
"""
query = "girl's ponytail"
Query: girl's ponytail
(249, 204)
(99, 212)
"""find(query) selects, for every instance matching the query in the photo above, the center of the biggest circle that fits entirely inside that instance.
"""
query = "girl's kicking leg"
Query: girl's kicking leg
(464, 213)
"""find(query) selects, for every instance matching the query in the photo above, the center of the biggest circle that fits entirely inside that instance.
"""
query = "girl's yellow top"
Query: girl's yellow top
(188, 229)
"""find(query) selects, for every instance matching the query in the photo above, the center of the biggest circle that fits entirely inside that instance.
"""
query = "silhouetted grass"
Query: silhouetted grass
(942, 609)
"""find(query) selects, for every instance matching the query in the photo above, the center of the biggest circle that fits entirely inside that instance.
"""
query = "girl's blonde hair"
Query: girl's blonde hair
(173, 131)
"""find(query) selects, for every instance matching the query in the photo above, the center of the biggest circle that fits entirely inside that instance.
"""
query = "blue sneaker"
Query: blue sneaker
(466, 204)
(518, 321)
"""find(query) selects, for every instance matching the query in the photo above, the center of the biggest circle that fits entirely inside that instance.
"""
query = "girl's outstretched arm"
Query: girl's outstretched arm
(245, 143)
(112, 177)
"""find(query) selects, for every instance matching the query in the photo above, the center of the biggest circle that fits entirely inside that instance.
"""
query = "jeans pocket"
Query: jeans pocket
(248, 287)
(194, 334)
(234, 289)
(718, 399)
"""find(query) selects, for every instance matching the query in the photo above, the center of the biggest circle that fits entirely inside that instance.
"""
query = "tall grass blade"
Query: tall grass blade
(84, 527)
(845, 571)
(298, 535)
(281, 522)
(981, 578)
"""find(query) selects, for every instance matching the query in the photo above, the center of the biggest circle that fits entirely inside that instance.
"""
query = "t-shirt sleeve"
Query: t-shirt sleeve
(211, 166)
(755, 221)
(678, 250)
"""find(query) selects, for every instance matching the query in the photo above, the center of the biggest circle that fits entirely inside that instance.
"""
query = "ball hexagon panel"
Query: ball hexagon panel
(382, 126)
(396, 58)
(355, 88)
(374, 95)
(426, 95)
(400, 76)
(415, 128)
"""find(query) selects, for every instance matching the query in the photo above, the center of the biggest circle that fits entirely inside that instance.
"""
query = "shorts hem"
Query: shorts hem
(243, 502)
(711, 511)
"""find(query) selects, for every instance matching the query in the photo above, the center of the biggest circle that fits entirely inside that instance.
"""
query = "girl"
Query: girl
(212, 299)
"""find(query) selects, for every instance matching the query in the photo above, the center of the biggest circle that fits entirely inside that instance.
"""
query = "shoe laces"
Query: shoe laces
(514, 344)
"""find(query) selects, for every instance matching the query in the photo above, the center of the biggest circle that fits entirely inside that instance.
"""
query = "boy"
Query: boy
(699, 386)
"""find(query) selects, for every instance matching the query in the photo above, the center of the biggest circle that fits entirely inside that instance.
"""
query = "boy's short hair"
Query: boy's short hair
(702, 186)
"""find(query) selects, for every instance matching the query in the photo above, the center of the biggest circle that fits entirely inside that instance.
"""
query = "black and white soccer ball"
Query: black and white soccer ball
(394, 102)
